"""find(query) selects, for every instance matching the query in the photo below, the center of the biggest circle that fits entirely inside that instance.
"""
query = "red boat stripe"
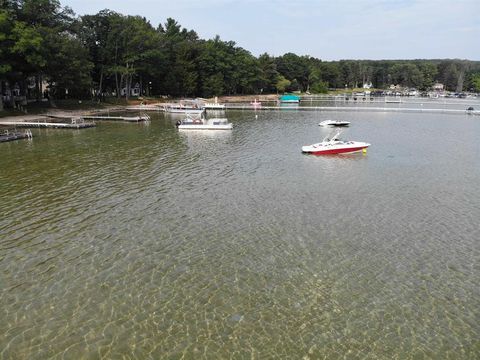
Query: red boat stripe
(337, 151)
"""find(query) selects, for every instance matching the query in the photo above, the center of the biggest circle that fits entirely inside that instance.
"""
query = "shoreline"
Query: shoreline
(105, 108)
(69, 113)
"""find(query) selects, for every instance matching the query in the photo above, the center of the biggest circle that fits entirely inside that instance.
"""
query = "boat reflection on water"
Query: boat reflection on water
(288, 106)
(194, 122)
(206, 143)
(205, 140)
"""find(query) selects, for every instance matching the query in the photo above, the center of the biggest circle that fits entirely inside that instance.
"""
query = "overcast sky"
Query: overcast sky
(329, 30)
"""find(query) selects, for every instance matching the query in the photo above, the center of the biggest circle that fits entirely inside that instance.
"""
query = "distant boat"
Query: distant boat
(289, 98)
(184, 107)
(472, 111)
(334, 123)
(256, 104)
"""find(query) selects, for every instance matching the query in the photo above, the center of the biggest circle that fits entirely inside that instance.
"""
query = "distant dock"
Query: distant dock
(11, 136)
(345, 108)
(119, 118)
(75, 124)
(152, 107)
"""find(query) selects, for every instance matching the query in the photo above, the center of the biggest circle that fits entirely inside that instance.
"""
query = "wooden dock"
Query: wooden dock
(11, 136)
(157, 107)
(140, 118)
(78, 118)
(44, 124)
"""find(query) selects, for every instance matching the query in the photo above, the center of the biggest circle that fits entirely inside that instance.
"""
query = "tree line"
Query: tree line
(110, 54)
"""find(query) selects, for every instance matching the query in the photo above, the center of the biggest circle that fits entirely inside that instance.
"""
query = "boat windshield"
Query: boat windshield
(334, 137)
(192, 119)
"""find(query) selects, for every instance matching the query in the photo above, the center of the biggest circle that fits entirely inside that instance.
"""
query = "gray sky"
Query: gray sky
(329, 30)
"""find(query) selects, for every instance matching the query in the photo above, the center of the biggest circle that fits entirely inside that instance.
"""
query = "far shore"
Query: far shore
(78, 108)
(83, 108)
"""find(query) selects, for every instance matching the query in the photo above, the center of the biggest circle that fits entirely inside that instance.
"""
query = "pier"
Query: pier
(140, 118)
(11, 136)
(157, 107)
(75, 124)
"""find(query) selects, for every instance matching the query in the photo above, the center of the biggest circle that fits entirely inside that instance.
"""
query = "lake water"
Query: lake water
(138, 241)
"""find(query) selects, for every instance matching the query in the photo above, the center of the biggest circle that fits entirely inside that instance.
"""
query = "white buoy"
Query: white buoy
(256, 116)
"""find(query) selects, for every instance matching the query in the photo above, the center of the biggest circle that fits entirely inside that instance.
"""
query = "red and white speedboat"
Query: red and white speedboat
(334, 145)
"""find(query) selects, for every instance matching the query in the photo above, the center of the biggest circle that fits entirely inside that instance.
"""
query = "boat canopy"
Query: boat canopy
(289, 97)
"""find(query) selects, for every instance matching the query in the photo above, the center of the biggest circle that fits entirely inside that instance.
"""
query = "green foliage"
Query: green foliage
(320, 87)
(39, 40)
(269, 75)
(475, 82)
(5, 33)
(108, 53)
(406, 74)
(75, 78)
(28, 45)
(296, 69)
(282, 84)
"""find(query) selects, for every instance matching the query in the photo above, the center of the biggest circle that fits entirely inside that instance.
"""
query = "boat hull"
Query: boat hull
(332, 150)
(335, 124)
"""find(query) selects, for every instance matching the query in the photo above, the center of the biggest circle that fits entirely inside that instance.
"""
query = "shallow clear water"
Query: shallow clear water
(140, 241)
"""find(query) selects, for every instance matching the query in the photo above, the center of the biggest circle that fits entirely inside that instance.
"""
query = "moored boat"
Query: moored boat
(184, 107)
(8, 135)
(289, 98)
(256, 104)
(334, 145)
(198, 123)
(334, 123)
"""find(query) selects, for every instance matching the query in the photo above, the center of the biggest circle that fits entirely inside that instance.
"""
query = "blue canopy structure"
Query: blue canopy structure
(290, 98)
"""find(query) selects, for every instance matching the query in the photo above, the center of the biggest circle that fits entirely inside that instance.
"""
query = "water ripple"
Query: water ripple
(126, 241)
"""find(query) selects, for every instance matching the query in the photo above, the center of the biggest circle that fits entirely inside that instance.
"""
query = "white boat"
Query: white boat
(178, 109)
(333, 145)
(184, 107)
(334, 123)
(198, 123)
